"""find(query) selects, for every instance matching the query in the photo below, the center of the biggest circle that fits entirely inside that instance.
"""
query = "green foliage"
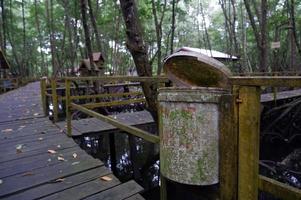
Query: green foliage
(190, 31)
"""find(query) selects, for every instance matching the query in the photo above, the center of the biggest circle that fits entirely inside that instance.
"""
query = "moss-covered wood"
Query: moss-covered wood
(248, 142)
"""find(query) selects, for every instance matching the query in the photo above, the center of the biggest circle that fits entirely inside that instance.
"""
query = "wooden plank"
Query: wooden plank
(68, 108)
(37, 157)
(132, 130)
(32, 151)
(52, 188)
(30, 164)
(54, 100)
(43, 97)
(17, 183)
(136, 197)
(119, 192)
(57, 139)
(93, 125)
(268, 97)
(26, 136)
(248, 158)
(279, 190)
(276, 81)
(120, 78)
(110, 95)
(113, 103)
(85, 190)
(228, 147)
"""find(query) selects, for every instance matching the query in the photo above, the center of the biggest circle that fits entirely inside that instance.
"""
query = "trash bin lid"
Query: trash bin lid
(188, 68)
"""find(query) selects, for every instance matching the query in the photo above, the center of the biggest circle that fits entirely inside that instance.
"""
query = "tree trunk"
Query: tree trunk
(260, 36)
(173, 25)
(294, 38)
(3, 16)
(264, 46)
(94, 25)
(51, 36)
(158, 26)
(86, 30)
(24, 57)
(138, 50)
(44, 70)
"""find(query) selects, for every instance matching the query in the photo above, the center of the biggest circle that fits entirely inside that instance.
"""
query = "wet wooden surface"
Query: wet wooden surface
(38, 161)
(93, 125)
(280, 95)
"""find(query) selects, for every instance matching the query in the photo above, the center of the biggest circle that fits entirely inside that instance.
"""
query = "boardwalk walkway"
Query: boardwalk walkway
(38, 161)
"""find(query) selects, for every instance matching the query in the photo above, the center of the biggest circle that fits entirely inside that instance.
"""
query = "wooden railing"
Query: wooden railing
(85, 108)
(239, 178)
(9, 84)
(239, 141)
(50, 89)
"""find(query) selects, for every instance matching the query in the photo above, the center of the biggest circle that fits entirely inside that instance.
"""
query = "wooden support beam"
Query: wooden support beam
(113, 103)
(130, 129)
(163, 187)
(248, 142)
(68, 108)
(54, 100)
(279, 190)
(43, 95)
(109, 95)
(277, 81)
(121, 78)
(228, 146)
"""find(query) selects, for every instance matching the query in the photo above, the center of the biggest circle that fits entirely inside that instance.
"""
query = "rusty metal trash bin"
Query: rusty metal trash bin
(189, 118)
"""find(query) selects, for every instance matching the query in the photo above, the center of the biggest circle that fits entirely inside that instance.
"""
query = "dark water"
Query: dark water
(128, 157)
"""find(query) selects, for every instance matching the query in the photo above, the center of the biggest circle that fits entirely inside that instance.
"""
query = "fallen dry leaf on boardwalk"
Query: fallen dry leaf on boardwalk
(19, 148)
(28, 174)
(106, 178)
(51, 151)
(59, 180)
(61, 158)
(7, 130)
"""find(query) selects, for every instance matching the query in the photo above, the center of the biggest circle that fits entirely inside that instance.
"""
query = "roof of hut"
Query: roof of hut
(3, 62)
(97, 56)
(211, 53)
(85, 63)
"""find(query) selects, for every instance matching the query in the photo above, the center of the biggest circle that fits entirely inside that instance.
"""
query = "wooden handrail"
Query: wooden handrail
(275, 81)
(113, 103)
(278, 189)
(130, 129)
(121, 78)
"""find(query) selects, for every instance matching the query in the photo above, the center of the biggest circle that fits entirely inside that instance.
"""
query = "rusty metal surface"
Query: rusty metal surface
(190, 134)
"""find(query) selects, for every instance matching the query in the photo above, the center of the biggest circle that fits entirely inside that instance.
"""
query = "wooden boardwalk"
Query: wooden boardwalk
(38, 161)
(93, 125)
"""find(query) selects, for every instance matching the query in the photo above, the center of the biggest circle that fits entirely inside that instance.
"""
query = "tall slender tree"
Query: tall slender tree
(137, 47)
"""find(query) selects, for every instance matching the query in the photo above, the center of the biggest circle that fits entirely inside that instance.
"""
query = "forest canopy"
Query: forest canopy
(47, 37)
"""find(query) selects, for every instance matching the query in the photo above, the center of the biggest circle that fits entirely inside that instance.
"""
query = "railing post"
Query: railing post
(163, 188)
(68, 107)
(54, 100)
(228, 146)
(43, 95)
(248, 142)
